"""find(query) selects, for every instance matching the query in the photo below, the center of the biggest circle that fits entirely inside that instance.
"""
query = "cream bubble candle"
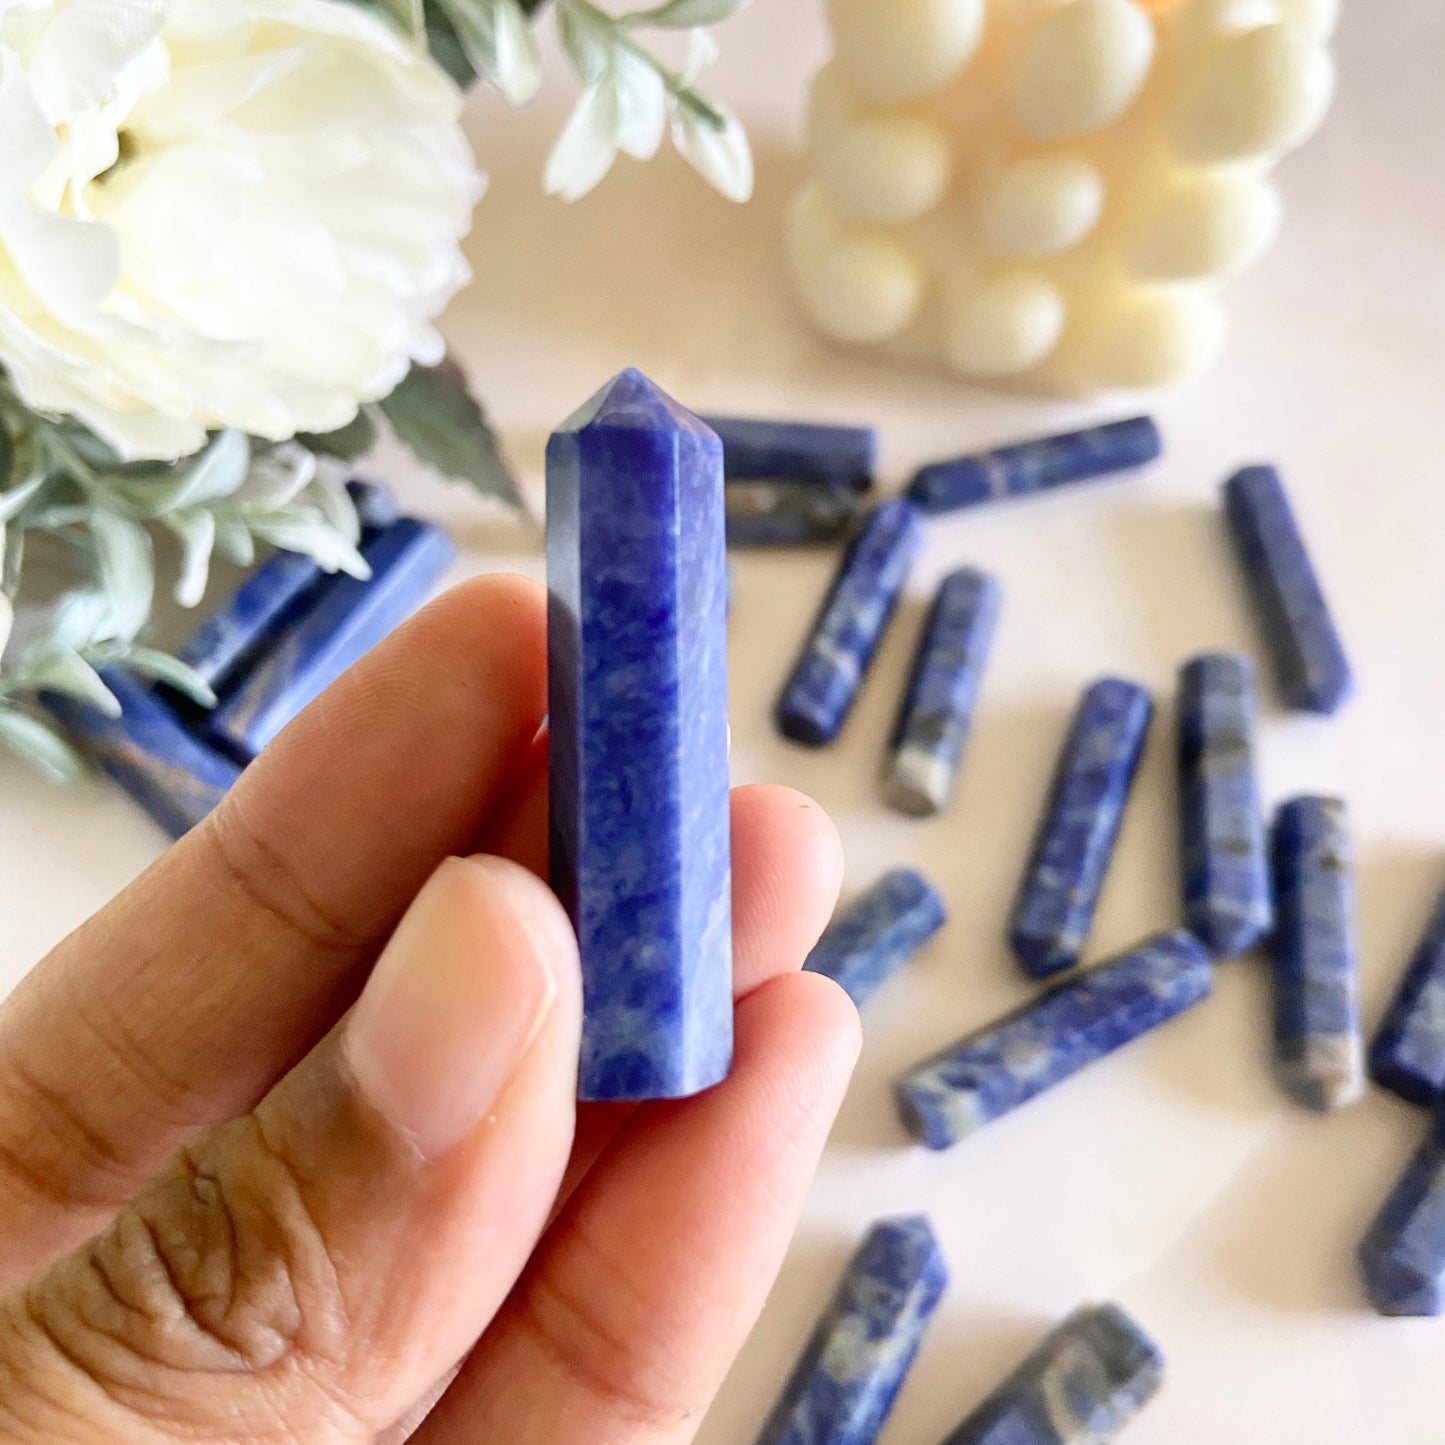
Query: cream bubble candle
(1050, 192)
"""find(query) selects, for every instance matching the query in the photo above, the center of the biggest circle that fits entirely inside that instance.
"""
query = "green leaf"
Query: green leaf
(498, 45)
(123, 553)
(62, 669)
(42, 747)
(446, 47)
(433, 413)
(347, 444)
(234, 541)
(148, 662)
(305, 530)
(682, 14)
(588, 40)
(12, 501)
(196, 529)
(216, 472)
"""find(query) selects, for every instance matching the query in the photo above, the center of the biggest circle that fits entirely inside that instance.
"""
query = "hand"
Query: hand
(377, 1168)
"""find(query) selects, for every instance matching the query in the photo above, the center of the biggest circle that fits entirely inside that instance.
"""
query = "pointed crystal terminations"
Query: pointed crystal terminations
(878, 933)
(1035, 466)
(991, 1072)
(938, 704)
(1309, 658)
(637, 658)
(1075, 841)
(1403, 1255)
(820, 692)
(1408, 1054)
(1081, 1386)
(1318, 1053)
(814, 453)
(149, 751)
(1224, 853)
(852, 1368)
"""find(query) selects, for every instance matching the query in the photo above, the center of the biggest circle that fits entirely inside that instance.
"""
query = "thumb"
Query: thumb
(310, 1270)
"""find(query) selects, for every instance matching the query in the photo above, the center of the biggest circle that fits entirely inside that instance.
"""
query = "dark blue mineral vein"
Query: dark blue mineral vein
(878, 933)
(854, 1364)
(149, 751)
(792, 451)
(1075, 841)
(637, 639)
(1309, 658)
(1403, 1255)
(1222, 845)
(989, 1073)
(1034, 466)
(1408, 1055)
(819, 693)
(1081, 1386)
(790, 514)
(942, 692)
(1318, 1054)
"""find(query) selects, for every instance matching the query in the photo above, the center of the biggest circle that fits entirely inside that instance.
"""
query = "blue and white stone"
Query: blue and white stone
(376, 506)
(1318, 1051)
(866, 944)
(819, 694)
(637, 656)
(790, 514)
(1034, 466)
(992, 1072)
(795, 451)
(1304, 644)
(942, 692)
(850, 1372)
(1408, 1054)
(344, 618)
(1403, 1255)
(1081, 1386)
(1074, 844)
(149, 751)
(1224, 853)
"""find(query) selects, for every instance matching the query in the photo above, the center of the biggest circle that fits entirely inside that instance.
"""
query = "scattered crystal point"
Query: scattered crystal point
(871, 940)
(343, 619)
(938, 703)
(1403, 1255)
(820, 692)
(793, 451)
(1034, 466)
(637, 656)
(851, 1370)
(1408, 1055)
(790, 514)
(992, 1072)
(1223, 849)
(1075, 841)
(1309, 658)
(149, 751)
(1081, 1386)
(1319, 1057)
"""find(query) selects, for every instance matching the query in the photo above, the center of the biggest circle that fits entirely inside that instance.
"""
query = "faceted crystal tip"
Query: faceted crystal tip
(633, 401)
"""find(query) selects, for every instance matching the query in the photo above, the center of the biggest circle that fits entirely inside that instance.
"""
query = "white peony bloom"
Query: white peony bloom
(221, 213)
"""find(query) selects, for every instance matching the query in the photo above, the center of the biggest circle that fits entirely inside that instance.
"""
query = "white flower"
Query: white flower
(221, 213)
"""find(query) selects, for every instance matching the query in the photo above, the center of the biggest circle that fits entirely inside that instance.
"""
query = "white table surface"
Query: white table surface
(1173, 1178)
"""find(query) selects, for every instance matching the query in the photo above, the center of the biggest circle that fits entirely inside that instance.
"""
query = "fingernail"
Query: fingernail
(456, 998)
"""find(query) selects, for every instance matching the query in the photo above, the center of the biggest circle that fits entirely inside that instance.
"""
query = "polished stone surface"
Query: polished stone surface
(343, 619)
(850, 1372)
(1074, 843)
(637, 656)
(942, 692)
(1035, 466)
(1402, 1257)
(1304, 644)
(790, 514)
(871, 939)
(1408, 1054)
(825, 680)
(1081, 1386)
(990, 1073)
(1224, 853)
(757, 450)
(1318, 1052)
(149, 751)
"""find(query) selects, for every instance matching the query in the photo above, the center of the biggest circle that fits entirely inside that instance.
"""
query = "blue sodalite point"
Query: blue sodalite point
(852, 1368)
(1035, 466)
(992, 1072)
(790, 514)
(819, 694)
(1408, 1055)
(813, 453)
(1081, 1386)
(1318, 1054)
(1403, 1255)
(878, 933)
(1304, 644)
(1075, 841)
(942, 692)
(1224, 853)
(637, 649)
(149, 751)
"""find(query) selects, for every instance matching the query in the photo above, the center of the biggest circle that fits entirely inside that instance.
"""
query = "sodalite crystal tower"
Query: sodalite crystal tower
(1408, 1055)
(637, 581)
(1403, 1255)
